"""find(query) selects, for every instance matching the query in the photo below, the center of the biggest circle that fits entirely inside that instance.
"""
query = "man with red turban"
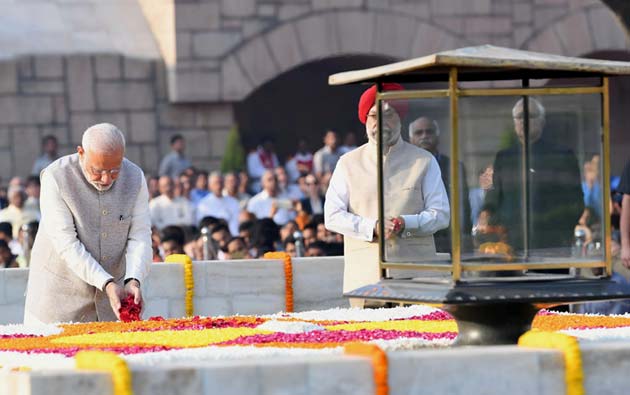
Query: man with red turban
(416, 204)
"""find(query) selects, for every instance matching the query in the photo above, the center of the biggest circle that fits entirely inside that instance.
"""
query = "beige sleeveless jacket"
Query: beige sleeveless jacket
(102, 221)
(404, 168)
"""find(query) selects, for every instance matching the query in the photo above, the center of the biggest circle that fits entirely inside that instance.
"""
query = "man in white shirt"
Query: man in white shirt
(416, 204)
(291, 190)
(174, 163)
(49, 154)
(217, 205)
(93, 247)
(325, 159)
(168, 209)
(17, 213)
(271, 203)
(261, 160)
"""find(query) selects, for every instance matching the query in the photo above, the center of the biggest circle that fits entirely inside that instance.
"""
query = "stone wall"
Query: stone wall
(63, 95)
(221, 288)
(226, 49)
(453, 371)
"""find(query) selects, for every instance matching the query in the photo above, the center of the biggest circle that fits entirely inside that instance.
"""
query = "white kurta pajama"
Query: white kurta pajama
(413, 189)
(85, 238)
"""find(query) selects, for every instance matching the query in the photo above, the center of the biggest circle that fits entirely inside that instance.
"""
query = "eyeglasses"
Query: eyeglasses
(113, 173)
(427, 131)
(311, 183)
(520, 117)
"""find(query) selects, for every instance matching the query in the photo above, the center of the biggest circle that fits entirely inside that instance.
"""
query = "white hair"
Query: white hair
(103, 137)
(433, 122)
(532, 101)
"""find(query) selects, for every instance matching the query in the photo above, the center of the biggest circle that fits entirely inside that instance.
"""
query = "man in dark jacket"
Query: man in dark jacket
(555, 195)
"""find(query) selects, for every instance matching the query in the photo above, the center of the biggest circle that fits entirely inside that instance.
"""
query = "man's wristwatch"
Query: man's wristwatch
(131, 278)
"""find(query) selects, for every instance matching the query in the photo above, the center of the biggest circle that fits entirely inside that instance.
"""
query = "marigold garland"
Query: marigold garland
(107, 362)
(379, 363)
(288, 276)
(189, 280)
(574, 375)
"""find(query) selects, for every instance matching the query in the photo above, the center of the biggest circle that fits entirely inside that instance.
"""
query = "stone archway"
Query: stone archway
(325, 35)
(585, 30)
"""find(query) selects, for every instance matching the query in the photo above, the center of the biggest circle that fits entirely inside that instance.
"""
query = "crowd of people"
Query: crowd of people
(266, 206)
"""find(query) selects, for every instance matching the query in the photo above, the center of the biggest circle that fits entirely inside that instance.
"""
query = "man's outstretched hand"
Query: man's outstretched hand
(133, 288)
(115, 293)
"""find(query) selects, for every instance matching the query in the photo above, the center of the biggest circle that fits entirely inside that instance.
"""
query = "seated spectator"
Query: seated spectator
(301, 163)
(219, 206)
(6, 234)
(313, 203)
(261, 160)
(233, 189)
(185, 183)
(271, 203)
(201, 187)
(32, 189)
(289, 246)
(316, 248)
(168, 209)
(172, 240)
(237, 249)
(265, 236)
(287, 230)
(325, 159)
(246, 230)
(156, 245)
(285, 186)
(153, 185)
(309, 234)
(220, 235)
(7, 259)
(349, 143)
(17, 214)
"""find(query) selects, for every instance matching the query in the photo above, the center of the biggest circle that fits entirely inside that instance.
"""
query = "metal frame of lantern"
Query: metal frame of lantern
(490, 310)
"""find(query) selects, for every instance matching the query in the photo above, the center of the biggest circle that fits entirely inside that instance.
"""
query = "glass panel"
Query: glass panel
(416, 204)
(528, 203)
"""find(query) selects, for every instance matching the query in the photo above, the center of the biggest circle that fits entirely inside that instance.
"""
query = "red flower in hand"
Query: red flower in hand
(129, 310)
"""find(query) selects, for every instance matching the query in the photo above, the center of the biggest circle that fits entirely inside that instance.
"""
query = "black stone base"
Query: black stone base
(487, 324)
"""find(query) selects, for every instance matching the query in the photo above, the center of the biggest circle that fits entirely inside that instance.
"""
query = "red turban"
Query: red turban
(369, 97)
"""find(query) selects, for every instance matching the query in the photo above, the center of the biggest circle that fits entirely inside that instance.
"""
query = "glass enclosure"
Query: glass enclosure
(529, 182)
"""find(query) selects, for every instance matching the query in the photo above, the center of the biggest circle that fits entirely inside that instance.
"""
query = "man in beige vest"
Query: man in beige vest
(93, 247)
(416, 204)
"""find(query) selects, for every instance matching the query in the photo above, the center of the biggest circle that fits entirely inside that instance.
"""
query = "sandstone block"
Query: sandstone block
(166, 281)
(319, 36)
(7, 167)
(24, 150)
(167, 381)
(285, 46)
(198, 16)
(150, 158)
(220, 379)
(544, 16)
(215, 115)
(214, 44)
(25, 67)
(61, 132)
(15, 285)
(209, 306)
(133, 152)
(63, 382)
(43, 87)
(60, 109)
(48, 66)
(8, 76)
(342, 376)
(108, 67)
(283, 377)
(266, 10)
(240, 8)
(197, 85)
(258, 304)
(79, 122)
(575, 34)
(394, 35)
(547, 41)
(456, 7)
(235, 84)
(290, 11)
(607, 33)
(5, 138)
(198, 142)
(488, 25)
(137, 69)
(257, 62)
(218, 142)
(170, 115)
(80, 83)
(419, 9)
(183, 45)
(155, 307)
(124, 96)
(25, 110)
(522, 13)
(356, 31)
(326, 4)
(142, 127)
